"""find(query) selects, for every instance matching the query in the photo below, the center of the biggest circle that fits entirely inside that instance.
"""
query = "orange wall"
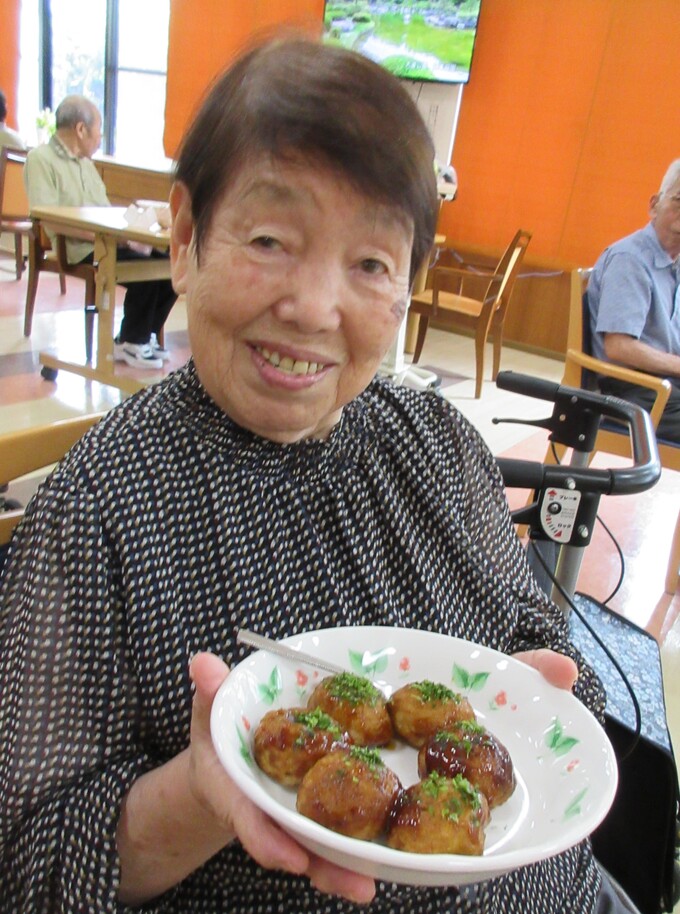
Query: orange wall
(206, 35)
(568, 123)
(566, 127)
(9, 57)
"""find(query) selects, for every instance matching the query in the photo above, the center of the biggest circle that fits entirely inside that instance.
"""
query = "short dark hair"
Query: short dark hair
(3, 106)
(297, 97)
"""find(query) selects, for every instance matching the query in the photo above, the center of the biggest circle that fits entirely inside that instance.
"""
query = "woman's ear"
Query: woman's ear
(181, 235)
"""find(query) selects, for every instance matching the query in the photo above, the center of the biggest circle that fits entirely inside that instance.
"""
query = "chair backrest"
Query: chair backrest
(13, 197)
(501, 286)
(27, 450)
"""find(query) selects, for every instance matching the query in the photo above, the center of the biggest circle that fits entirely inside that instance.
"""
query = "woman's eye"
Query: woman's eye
(373, 266)
(265, 241)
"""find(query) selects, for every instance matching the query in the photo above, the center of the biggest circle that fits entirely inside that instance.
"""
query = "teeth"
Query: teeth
(286, 363)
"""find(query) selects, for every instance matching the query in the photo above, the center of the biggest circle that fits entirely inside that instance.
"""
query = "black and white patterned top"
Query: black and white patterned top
(168, 528)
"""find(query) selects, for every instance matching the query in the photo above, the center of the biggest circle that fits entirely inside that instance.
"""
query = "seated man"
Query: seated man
(634, 302)
(8, 137)
(61, 173)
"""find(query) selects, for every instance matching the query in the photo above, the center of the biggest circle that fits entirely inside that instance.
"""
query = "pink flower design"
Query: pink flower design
(501, 699)
(404, 664)
(246, 723)
(301, 678)
(574, 763)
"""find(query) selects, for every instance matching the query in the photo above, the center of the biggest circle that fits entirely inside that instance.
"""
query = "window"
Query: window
(112, 51)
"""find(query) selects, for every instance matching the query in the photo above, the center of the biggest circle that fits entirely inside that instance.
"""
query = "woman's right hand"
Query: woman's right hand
(237, 816)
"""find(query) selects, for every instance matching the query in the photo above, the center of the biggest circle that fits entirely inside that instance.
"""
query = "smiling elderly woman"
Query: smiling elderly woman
(272, 483)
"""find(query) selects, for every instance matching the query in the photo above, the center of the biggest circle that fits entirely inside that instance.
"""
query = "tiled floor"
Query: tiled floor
(642, 524)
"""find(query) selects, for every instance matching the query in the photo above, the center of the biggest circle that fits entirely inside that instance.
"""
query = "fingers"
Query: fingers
(557, 669)
(260, 836)
(208, 673)
(267, 843)
(334, 880)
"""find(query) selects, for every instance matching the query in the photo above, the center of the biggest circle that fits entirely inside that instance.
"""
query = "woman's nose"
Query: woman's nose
(312, 299)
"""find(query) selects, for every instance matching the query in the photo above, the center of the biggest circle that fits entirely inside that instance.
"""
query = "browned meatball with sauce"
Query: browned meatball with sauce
(422, 708)
(349, 791)
(439, 816)
(357, 705)
(288, 741)
(470, 750)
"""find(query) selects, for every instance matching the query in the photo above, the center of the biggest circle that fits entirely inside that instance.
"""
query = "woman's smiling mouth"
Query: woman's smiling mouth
(289, 365)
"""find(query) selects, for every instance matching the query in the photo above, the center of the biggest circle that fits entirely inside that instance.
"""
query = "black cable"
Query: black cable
(614, 661)
(622, 561)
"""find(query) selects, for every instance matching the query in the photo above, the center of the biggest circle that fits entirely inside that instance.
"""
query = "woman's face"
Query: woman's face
(301, 288)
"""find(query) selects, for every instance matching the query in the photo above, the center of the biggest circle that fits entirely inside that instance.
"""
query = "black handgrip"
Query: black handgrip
(626, 480)
(526, 384)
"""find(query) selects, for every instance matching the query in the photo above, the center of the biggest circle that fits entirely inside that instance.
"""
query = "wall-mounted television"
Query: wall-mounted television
(426, 40)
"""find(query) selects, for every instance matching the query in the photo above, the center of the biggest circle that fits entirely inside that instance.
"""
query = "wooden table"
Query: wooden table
(110, 229)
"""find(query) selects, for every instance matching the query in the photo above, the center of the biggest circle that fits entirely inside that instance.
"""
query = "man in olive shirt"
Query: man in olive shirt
(61, 173)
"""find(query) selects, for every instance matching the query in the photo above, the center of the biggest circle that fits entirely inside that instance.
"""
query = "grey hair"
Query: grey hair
(670, 178)
(76, 109)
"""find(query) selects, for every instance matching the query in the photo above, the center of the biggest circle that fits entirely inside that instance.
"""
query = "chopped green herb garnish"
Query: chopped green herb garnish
(370, 757)
(317, 720)
(432, 692)
(436, 784)
(352, 688)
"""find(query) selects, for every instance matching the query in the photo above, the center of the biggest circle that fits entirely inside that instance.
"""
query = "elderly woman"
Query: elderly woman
(274, 484)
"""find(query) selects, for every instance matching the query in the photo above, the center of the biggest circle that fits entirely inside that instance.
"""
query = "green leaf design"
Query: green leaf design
(574, 808)
(471, 682)
(556, 740)
(270, 690)
(244, 748)
(366, 664)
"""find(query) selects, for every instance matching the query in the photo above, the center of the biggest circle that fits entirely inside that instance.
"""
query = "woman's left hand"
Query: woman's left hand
(559, 670)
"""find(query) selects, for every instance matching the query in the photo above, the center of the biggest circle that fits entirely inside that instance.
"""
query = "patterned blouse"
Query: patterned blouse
(168, 528)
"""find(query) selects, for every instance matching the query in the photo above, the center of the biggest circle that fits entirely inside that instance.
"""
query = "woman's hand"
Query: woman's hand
(175, 817)
(559, 670)
(260, 836)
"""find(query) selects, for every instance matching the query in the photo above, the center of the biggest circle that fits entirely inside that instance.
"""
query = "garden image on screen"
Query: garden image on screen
(430, 40)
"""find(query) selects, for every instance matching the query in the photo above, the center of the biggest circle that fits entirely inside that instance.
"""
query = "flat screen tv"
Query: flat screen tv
(428, 40)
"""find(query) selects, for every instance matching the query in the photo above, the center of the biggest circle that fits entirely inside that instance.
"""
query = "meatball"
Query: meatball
(349, 791)
(470, 750)
(287, 742)
(422, 708)
(357, 705)
(439, 816)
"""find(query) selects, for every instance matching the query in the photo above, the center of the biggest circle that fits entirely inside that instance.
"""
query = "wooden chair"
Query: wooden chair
(581, 369)
(28, 450)
(446, 303)
(14, 211)
(43, 258)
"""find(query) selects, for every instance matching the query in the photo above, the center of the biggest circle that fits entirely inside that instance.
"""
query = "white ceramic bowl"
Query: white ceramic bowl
(565, 766)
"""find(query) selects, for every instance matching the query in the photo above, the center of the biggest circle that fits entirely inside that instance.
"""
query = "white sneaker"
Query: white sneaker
(159, 351)
(139, 355)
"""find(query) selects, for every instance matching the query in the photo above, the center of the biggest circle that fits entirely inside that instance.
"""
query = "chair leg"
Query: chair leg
(423, 321)
(497, 346)
(673, 573)
(18, 255)
(90, 312)
(31, 292)
(480, 343)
